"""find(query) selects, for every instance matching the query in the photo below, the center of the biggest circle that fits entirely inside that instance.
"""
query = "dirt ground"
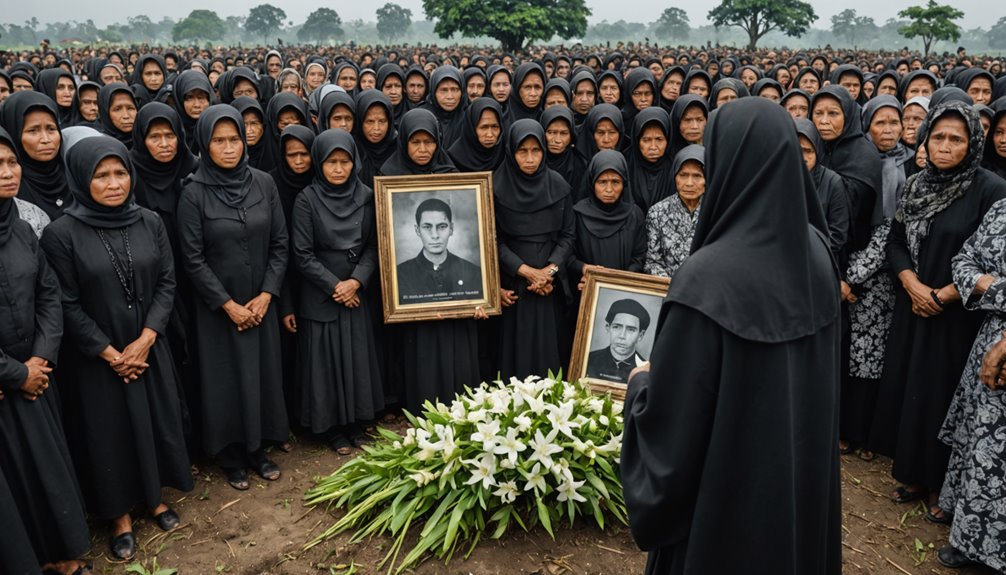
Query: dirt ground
(263, 531)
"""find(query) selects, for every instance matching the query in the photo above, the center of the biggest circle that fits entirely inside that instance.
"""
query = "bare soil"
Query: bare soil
(263, 531)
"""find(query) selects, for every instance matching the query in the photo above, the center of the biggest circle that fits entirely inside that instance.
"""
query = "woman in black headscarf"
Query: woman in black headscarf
(391, 81)
(670, 223)
(31, 120)
(688, 121)
(560, 138)
(61, 86)
(849, 154)
(697, 82)
(148, 78)
(234, 242)
(609, 226)
(671, 87)
(40, 504)
(115, 268)
(728, 361)
(420, 129)
(535, 234)
(609, 88)
(480, 148)
(602, 130)
(499, 80)
(768, 88)
(807, 79)
(850, 77)
(284, 109)
(640, 93)
(254, 123)
(236, 83)
(336, 109)
(117, 112)
(192, 94)
(650, 165)
(994, 158)
(557, 93)
(334, 245)
(931, 333)
(977, 84)
(527, 94)
(447, 102)
(830, 189)
(726, 90)
(417, 86)
(475, 82)
(374, 132)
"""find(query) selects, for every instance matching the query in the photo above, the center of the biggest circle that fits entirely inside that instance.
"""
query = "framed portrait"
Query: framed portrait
(615, 328)
(437, 245)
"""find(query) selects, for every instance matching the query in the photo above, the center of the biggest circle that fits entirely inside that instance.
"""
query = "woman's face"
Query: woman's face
(725, 95)
(693, 122)
(829, 118)
(337, 167)
(652, 143)
(606, 135)
(500, 87)
(690, 182)
(195, 102)
(291, 83)
(920, 157)
(347, 79)
(980, 90)
(610, 93)
(415, 88)
(368, 81)
(421, 148)
(531, 89)
(749, 77)
(851, 82)
(392, 88)
(699, 87)
(273, 66)
(529, 156)
(244, 87)
(809, 83)
(809, 152)
(122, 112)
(10, 173)
(888, 86)
(375, 124)
(642, 96)
(885, 129)
(87, 103)
(448, 95)
(999, 137)
(298, 157)
(315, 77)
(161, 141)
(783, 76)
(584, 97)
(110, 74)
(64, 92)
(770, 93)
(672, 87)
(913, 117)
(110, 183)
(554, 97)
(341, 117)
(608, 187)
(226, 148)
(488, 129)
(557, 137)
(476, 87)
(153, 78)
(40, 137)
(948, 142)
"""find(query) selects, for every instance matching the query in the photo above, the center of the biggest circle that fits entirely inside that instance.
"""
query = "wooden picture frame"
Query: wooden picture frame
(596, 364)
(432, 291)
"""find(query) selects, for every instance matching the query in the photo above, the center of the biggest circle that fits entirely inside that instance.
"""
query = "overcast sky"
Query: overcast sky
(977, 13)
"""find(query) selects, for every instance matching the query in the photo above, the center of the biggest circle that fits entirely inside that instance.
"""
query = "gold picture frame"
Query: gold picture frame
(432, 291)
(606, 288)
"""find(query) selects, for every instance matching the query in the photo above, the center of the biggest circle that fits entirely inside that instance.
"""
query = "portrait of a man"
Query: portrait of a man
(436, 273)
(625, 324)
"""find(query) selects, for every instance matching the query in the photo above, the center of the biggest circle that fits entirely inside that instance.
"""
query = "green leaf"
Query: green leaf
(543, 516)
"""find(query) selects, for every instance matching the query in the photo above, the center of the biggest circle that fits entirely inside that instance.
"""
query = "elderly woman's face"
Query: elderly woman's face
(110, 183)
(948, 142)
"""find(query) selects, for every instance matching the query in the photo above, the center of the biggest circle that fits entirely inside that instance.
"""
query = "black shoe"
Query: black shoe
(266, 469)
(167, 520)
(124, 546)
(950, 557)
(237, 478)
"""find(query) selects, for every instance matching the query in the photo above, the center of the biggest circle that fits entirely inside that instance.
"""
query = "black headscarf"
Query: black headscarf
(665, 103)
(47, 82)
(329, 102)
(371, 155)
(756, 223)
(142, 94)
(734, 84)
(992, 160)
(400, 164)
(531, 195)
(949, 94)
(288, 183)
(416, 70)
(585, 139)
(282, 102)
(343, 201)
(190, 81)
(558, 84)
(932, 190)
(760, 86)
(678, 112)
(451, 123)
(42, 183)
(602, 220)
(844, 69)
(692, 74)
(229, 185)
(632, 81)
(81, 161)
(339, 67)
(159, 183)
(516, 110)
(907, 79)
(229, 80)
(650, 181)
(383, 73)
(259, 153)
(467, 153)
(105, 125)
(8, 211)
(570, 164)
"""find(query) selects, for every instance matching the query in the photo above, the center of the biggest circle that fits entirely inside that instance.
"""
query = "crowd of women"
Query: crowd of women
(188, 251)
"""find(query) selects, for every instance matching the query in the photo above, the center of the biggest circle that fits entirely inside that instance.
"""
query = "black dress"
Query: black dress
(41, 508)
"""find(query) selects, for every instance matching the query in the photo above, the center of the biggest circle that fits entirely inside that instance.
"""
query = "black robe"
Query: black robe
(41, 508)
(926, 356)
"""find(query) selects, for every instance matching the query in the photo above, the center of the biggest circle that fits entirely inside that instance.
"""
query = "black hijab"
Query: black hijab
(692, 74)
(186, 82)
(400, 164)
(8, 211)
(650, 182)
(992, 160)
(632, 81)
(415, 70)
(585, 139)
(373, 155)
(603, 220)
(516, 109)
(678, 112)
(528, 195)
(47, 82)
(81, 161)
(42, 183)
(733, 84)
(343, 201)
(892, 161)
(229, 80)
(467, 153)
(451, 123)
(159, 182)
(385, 72)
(844, 69)
(557, 84)
(229, 185)
(282, 102)
(141, 92)
(288, 183)
(907, 79)
(665, 103)
(570, 164)
(329, 102)
(105, 125)
(259, 153)
(759, 219)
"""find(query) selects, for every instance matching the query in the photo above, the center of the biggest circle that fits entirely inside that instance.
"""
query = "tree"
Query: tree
(141, 27)
(932, 22)
(323, 24)
(393, 22)
(850, 26)
(759, 17)
(198, 25)
(265, 20)
(673, 23)
(32, 25)
(997, 34)
(512, 22)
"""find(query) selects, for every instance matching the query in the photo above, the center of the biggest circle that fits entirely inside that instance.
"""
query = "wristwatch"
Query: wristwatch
(554, 270)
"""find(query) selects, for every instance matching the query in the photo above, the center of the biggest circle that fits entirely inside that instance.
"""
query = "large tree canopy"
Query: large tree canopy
(264, 20)
(759, 17)
(673, 23)
(322, 25)
(512, 22)
(931, 22)
(393, 21)
(199, 25)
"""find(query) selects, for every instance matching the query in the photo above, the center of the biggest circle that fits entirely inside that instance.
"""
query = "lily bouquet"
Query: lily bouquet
(537, 451)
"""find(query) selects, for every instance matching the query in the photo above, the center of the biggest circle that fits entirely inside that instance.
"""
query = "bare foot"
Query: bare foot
(122, 525)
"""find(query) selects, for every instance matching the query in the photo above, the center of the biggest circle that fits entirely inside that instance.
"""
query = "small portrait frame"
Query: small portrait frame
(437, 246)
(615, 327)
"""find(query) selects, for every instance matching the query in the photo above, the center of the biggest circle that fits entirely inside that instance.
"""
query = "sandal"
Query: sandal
(340, 444)
(941, 517)
(124, 546)
(867, 455)
(167, 519)
(267, 469)
(904, 495)
(285, 447)
(238, 479)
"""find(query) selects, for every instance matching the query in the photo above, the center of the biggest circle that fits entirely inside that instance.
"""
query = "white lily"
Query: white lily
(568, 491)
(422, 477)
(477, 415)
(561, 415)
(509, 445)
(543, 447)
(523, 423)
(535, 480)
(507, 491)
(486, 434)
(483, 470)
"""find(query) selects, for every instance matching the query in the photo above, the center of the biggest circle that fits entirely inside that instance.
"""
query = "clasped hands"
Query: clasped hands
(37, 380)
(131, 362)
(923, 302)
(539, 281)
(250, 314)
